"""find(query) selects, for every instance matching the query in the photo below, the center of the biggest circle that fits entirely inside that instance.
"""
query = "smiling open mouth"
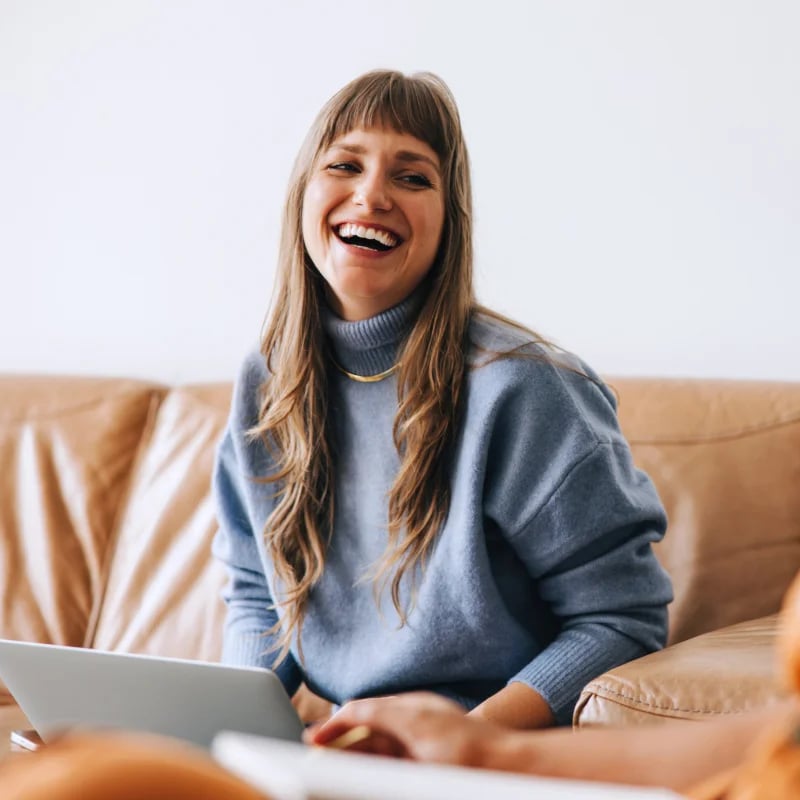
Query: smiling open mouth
(368, 238)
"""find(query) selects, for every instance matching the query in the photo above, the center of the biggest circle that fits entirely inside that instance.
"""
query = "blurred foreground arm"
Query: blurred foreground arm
(426, 727)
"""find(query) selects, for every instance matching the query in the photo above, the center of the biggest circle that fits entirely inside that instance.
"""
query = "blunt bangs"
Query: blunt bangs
(419, 105)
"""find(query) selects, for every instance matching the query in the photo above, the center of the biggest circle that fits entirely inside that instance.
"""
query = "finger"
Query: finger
(350, 739)
(356, 712)
(380, 744)
(358, 738)
(310, 732)
(393, 716)
(327, 732)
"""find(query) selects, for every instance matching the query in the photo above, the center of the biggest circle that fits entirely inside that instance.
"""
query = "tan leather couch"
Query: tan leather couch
(725, 456)
(106, 521)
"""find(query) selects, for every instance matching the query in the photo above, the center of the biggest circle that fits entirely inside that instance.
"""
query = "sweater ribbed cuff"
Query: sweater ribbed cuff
(561, 670)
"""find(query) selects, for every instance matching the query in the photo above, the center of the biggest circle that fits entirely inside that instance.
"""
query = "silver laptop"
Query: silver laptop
(60, 688)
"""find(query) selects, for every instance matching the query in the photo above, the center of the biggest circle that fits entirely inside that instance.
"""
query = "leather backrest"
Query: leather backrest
(106, 515)
(725, 456)
(163, 587)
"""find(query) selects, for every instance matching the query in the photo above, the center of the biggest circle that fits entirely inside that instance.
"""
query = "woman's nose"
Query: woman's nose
(372, 193)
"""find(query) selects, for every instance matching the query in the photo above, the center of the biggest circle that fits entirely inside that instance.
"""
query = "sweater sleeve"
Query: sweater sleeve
(582, 518)
(250, 611)
(589, 548)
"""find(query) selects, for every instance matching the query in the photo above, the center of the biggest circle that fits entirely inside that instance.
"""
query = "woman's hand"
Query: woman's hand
(420, 726)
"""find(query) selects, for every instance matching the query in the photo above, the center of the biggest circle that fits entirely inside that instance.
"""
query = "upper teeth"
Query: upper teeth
(384, 237)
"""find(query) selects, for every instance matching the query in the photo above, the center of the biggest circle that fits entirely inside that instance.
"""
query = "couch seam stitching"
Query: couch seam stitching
(601, 692)
(742, 433)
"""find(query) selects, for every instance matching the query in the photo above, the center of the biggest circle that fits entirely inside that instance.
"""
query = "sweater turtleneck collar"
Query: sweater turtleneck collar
(370, 346)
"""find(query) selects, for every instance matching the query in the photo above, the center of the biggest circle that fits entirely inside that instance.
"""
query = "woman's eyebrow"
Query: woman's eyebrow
(409, 156)
(350, 148)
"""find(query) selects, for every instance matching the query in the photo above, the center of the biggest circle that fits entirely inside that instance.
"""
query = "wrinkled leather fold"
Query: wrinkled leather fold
(67, 448)
(162, 588)
(723, 672)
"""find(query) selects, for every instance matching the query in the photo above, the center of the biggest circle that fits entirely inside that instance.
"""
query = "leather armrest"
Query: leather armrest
(726, 671)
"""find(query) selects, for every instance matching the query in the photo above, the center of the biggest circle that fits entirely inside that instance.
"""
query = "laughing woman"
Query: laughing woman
(414, 493)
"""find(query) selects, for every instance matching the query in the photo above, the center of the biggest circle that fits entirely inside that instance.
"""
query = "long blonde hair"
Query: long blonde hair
(293, 420)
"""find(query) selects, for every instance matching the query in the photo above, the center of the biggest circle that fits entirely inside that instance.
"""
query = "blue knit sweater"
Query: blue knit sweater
(543, 572)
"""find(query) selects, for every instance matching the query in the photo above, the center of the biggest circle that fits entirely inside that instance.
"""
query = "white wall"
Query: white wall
(636, 171)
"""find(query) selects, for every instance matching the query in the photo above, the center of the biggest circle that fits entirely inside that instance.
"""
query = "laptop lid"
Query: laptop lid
(61, 688)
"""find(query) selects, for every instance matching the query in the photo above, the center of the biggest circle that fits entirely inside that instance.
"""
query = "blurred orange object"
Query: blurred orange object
(789, 638)
(772, 770)
(121, 766)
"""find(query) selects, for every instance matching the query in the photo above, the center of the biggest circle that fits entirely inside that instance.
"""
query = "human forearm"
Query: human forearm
(515, 706)
(675, 755)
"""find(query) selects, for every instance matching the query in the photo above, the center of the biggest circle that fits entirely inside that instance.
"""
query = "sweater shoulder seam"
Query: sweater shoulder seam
(576, 464)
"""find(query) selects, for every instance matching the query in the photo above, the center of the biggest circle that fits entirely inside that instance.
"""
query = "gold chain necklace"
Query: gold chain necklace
(366, 378)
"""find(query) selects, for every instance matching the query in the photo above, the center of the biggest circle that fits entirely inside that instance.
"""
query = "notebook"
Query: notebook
(290, 771)
(60, 688)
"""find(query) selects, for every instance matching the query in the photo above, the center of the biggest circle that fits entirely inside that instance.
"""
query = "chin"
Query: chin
(357, 305)
(362, 292)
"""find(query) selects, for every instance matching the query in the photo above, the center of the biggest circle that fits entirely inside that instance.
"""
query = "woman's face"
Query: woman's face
(373, 213)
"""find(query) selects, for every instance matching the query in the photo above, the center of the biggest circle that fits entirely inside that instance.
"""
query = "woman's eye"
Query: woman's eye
(416, 179)
(342, 166)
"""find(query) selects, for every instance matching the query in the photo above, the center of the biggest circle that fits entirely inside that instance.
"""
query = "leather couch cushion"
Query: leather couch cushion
(66, 448)
(163, 587)
(723, 672)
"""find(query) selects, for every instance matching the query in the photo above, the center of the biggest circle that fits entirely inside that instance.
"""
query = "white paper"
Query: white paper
(289, 771)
